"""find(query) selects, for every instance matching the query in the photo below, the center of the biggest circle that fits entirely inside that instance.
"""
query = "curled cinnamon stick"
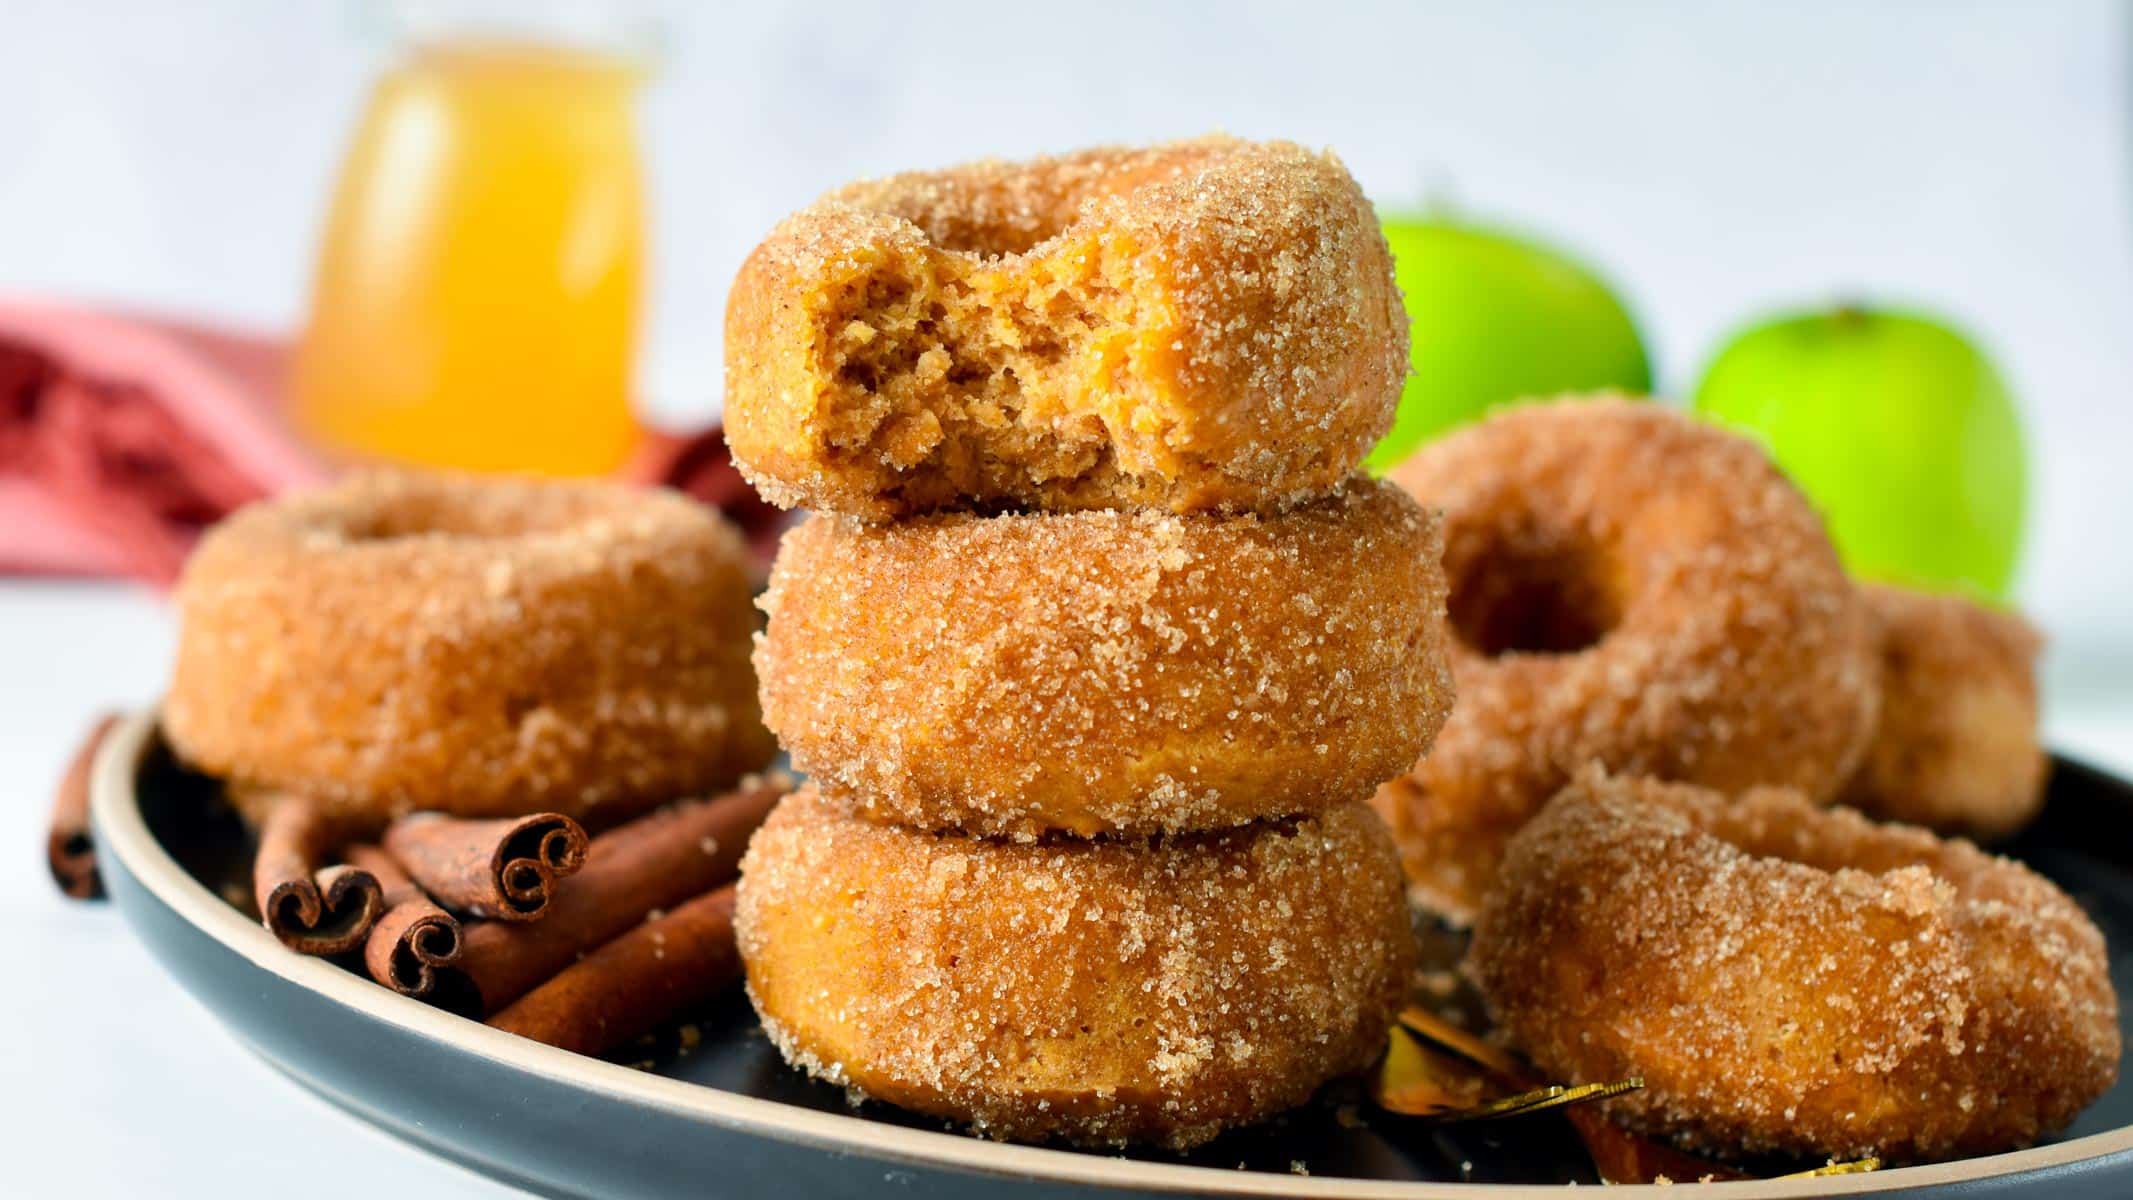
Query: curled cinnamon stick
(312, 909)
(656, 861)
(638, 981)
(69, 847)
(414, 940)
(505, 869)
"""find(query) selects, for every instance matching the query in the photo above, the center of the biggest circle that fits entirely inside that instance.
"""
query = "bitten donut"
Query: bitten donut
(1957, 747)
(478, 646)
(1102, 672)
(1099, 991)
(1204, 324)
(1791, 978)
(1633, 588)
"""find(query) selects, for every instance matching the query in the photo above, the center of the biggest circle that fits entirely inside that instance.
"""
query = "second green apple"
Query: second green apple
(1900, 428)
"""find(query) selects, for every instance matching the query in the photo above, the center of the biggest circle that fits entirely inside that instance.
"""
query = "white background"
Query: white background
(1715, 161)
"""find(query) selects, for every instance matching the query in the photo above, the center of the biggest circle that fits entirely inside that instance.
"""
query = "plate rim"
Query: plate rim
(123, 833)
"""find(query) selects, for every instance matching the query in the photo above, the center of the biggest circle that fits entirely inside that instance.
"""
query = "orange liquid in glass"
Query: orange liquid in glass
(477, 292)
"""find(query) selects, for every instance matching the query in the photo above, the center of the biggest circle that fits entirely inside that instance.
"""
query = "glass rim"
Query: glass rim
(626, 28)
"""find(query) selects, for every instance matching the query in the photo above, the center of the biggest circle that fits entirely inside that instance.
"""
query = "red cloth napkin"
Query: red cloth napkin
(122, 438)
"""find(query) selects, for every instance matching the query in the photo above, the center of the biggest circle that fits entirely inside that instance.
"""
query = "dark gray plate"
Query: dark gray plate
(729, 1118)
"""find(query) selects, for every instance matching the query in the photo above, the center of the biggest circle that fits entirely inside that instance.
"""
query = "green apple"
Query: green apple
(1900, 430)
(1497, 318)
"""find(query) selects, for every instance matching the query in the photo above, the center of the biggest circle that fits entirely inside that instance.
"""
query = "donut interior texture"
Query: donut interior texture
(1206, 324)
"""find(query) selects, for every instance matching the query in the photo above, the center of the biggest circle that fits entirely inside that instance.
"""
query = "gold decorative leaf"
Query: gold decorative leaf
(1430, 1027)
(1417, 1081)
(1539, 1100)
(1857, 1166)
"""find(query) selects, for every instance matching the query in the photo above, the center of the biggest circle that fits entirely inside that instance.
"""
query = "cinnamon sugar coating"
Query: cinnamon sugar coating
(1203, 324)
(1957, 749)
(1629, 587)
(1099, 991)
(1108, 672)
(485, 647)
(1791, 978)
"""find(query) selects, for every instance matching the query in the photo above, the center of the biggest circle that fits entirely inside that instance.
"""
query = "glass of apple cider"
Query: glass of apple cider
(476, 296)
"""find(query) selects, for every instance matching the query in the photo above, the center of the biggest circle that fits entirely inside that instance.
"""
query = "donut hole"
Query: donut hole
(996, 234)
(1825, 846)
(397, 527)
(1533, 596)
(424, 513)
(1002, 217)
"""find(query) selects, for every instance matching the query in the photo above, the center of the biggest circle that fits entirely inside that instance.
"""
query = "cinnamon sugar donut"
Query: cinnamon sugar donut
(1791, 978)
(1108, 672)
(1099, 991)
(479, 646)
(1203, 324)
(1957, 747)
(1633, 588)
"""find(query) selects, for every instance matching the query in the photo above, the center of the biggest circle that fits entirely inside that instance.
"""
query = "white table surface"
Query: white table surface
(113, 1081)
(117, 1084)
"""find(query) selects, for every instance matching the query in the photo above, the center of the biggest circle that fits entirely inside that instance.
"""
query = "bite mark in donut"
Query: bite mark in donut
(1204, 324)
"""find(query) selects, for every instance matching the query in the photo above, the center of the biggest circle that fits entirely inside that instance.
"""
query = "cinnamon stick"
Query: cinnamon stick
(633, 984)
(69, 847)
(312, 909)
(656, 861)
(504, 869)
(415, 940)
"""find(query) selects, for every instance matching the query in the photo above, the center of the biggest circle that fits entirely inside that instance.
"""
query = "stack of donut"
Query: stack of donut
(1095, 644)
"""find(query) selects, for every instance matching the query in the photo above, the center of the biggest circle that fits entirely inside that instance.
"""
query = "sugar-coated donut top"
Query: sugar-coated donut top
(1797, 977)
(1795, 844)
(1202, 324)
(405, 526)
(1632, 512)
(1634, 587)
(487, 646)
(996, 208)
(1108, 671)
